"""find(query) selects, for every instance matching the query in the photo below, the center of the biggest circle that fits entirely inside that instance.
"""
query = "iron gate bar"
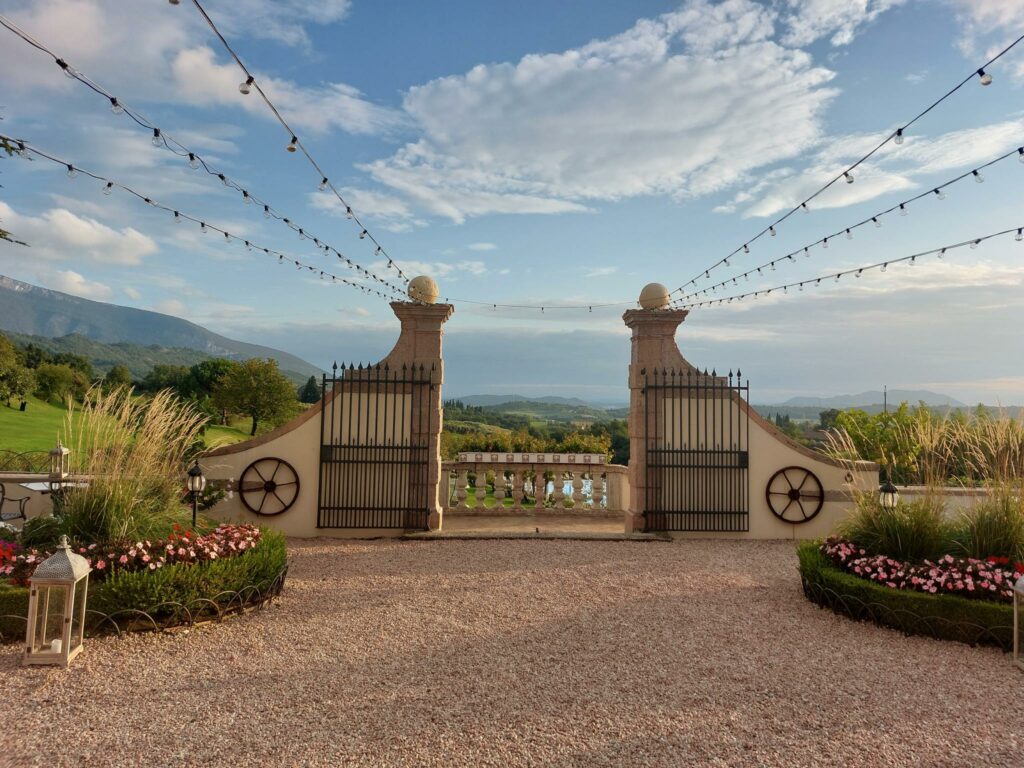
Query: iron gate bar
(696, 459)
(373, 464)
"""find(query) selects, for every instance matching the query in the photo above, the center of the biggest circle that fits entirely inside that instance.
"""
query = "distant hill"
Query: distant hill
(875, 397)
(137, 358)
(31, 310)
(487, 401)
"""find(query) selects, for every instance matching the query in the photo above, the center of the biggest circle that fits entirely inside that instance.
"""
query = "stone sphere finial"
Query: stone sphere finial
(654, 296)
(423, 289)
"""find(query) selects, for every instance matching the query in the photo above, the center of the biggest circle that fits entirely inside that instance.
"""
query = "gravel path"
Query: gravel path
(523, 653)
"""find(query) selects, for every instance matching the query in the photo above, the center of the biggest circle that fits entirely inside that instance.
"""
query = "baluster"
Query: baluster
(461, 484)
(540, 488)
(480, 489)
(518, 491)
(558, 496)
(577, 489)
(499, 488)
(597, 489)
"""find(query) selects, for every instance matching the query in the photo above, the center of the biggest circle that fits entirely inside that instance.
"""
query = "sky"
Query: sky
(544, 154)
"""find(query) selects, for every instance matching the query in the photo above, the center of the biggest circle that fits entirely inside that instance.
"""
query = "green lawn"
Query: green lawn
(38, 427)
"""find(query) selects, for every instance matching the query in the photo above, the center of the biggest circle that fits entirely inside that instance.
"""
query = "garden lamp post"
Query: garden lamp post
(196, 485)
(888, 496)
(60, 465)
(1018, 621)
(56, 608)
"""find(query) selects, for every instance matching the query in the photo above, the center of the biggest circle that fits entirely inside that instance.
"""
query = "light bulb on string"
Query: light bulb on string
(71, 171)
(978, 177)
(177, 218)
(193, 161)
(975, 243)
(984, 77)
(21, 151)
(913, 261)
(746, 248)
(858, 274)
(227, 237)
(837, 277)
(899, 136)
(941, 253)
(246, 86)
(323, 184)
(363, 234)
(202, 227)
(266, 211)
(1020, 154)
(115, 106)
(903, 210)
(223, 179)
(824, 243)
(248, 246)
(293, 145)
(68, 71)
(108, 188)
(348, 212)
(804, 208)
(849, 234)
(157, 140)
(885, 267)
(939, 194)
(878, 224)
(1019, 236)
(848, 177)
(302, 235)
(771, 231)
(246, 197)
(807, 252)
(725, 262)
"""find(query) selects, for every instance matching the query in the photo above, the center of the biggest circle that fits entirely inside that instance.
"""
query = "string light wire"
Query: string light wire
(162, 138)
(974, 242)
(296, 144)
(26, 149)
(847, 174)
(848, 231)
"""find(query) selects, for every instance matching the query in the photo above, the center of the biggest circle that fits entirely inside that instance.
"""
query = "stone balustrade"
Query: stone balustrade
(504, 483)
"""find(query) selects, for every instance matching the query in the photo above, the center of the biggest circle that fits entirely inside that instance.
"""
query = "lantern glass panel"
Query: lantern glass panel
(49, 629)
(78, 618)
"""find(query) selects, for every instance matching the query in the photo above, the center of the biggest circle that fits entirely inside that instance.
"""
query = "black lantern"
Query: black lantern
(888, 495)
(196, 485)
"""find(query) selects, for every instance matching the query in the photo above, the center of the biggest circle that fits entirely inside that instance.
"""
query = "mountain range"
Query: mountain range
(487, 401)
(31, 310)
(876, 397)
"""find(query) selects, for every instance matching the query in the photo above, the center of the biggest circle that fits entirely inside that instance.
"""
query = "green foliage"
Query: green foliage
(310, 391)
(118, 376)
(827, 419)
(40, 533)
(898, 607)
(164, 377)
(915, 530)
(56, 383)
(993, 527)
(184, 583)
(257, 389)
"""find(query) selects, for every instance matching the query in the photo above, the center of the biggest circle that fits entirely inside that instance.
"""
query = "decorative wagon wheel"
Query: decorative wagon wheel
(795, 495)
(269, 486)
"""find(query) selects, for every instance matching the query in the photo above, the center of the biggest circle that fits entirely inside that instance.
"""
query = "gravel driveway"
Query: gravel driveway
(523, 653)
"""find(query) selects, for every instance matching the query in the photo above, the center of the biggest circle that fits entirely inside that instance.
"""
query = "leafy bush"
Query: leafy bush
(946, 617)
(40, 533)
(183, 583)
(915, 530)
(992, 527)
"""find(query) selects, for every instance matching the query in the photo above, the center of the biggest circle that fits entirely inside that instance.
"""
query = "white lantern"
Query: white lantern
(1018, 621)
(888, 495)
(56, 608)
(59, 463)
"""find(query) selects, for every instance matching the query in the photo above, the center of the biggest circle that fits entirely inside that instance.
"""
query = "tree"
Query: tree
(310, 391)
(827, 419)
(203, 378)
(118, 376)
(164, 377)
(16, 381)
(257, 389)
(55, 382)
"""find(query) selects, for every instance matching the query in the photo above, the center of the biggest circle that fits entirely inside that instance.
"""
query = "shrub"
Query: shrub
(946, 617)
(993, 527)
(915, 530)
(185, 583)
(134, 451)
(40, 533)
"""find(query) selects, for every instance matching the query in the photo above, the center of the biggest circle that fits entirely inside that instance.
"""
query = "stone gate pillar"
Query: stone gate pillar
(653, 346)
(420, 344)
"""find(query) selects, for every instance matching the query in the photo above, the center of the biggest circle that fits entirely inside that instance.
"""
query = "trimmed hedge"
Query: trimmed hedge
(185, 584)
(945, 617)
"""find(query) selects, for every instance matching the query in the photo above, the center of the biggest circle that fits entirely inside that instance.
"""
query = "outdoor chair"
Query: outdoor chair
(20, 502)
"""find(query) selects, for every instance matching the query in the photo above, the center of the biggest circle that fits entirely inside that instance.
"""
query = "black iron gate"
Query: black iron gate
(374, 448)
(696, 432)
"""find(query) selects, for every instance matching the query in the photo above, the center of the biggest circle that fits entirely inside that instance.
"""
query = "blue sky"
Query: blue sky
(541, 153)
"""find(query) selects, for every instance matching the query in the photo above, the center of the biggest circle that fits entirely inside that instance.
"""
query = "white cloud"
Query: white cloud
(436, 269)
(170, 307)
(601, 271)
(160, 40)
(131, 293)
(59, 234)
(482, 247)
(663, 108)
(72, 282)
(894, 168)
(988, 27)
(840, 19)
(392, 212)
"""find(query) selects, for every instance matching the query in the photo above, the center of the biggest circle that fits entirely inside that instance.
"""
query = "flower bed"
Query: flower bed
(943, 614)
(148, 584)
(990, 579)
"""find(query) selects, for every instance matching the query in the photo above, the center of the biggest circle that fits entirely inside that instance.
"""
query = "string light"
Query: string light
(193, 161)
(115, 106)
(293, 144)
(978, 177)
(847, 174)
(108, 188)
(323, 184)
(71, 171)
(877, 223)
(939, 194)
(912, 259)
(898, 138)
(903, 209)
(245, 87)
(157, 141)
(984, 77)
(849, 234)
